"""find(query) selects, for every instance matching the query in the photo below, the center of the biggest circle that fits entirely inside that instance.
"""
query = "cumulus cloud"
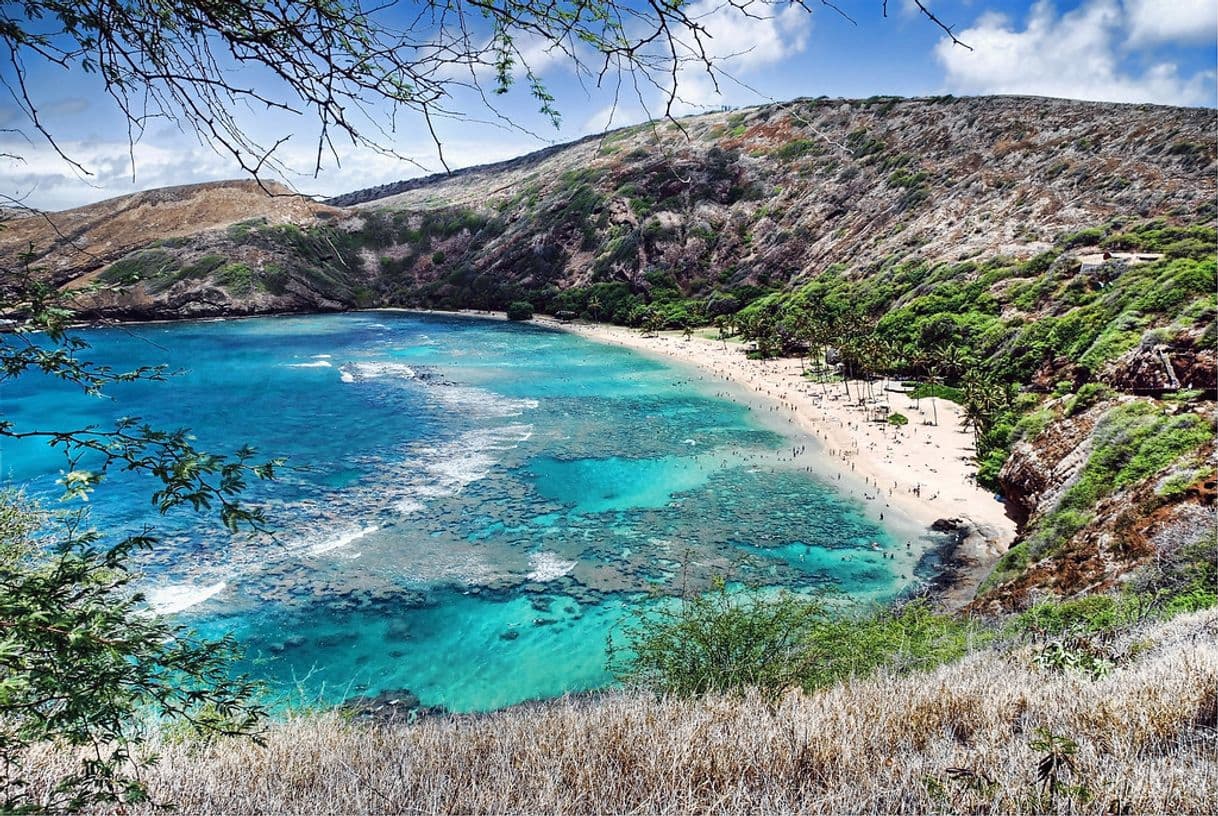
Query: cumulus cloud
(1157, 21)
(1076, 55)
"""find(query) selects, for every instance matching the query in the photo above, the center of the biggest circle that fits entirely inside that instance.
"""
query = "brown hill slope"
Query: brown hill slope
(76, 242)
(760, 196)
(781, 192)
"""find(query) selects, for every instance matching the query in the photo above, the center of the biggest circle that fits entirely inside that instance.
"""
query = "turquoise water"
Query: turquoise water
(473, 507)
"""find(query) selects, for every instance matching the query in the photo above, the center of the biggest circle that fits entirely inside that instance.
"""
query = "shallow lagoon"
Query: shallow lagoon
(473, 507)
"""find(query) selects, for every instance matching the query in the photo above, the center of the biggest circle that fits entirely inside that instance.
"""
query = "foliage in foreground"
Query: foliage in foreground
(83, 664)
(728, 640)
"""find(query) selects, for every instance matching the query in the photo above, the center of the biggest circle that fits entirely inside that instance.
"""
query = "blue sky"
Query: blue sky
(1158, 51)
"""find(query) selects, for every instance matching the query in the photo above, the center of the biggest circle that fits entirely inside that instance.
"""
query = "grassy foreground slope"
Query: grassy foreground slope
(1001, 730)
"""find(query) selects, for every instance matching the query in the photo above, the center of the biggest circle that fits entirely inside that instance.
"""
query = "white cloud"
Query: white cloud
(613, 116)
(1187, 21)
(1076, 55)
(43, 180)
(738, 44)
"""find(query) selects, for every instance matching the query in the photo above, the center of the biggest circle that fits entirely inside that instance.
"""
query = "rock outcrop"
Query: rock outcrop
(1184, 361)
(1094, 511)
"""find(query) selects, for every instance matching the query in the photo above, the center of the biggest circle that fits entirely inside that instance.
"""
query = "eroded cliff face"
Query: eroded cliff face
(1167, 361)
(1120, 485)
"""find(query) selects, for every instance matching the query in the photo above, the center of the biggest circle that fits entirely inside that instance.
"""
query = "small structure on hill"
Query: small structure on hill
(1107, 266)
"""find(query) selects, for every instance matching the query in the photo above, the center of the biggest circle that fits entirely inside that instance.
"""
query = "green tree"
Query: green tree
(721, 641)
(82, 661)
(934, 378)
(520, 310)
(652, 322)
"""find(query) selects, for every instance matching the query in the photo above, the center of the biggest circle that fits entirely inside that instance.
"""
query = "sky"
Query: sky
(1143, 51)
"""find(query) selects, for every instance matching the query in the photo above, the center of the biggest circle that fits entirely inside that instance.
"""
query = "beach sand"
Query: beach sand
(923, 470)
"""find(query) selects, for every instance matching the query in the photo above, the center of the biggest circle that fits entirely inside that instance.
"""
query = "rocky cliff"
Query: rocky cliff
(1107, 489)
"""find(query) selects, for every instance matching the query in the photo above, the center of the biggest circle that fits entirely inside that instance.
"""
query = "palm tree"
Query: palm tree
(872, 349)
(934, 379)
(721, 325)
(889, 360)
(919, 362)
(952, 360)
(848, 332)
(652, 321)
(984, 400)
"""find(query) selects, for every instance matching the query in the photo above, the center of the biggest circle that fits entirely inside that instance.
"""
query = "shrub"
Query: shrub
(947, 392)
(1087, 396)
(145, 265)
(237, 278)
(795, 149)
(730, 640)
(520, 310)
(898, 419)
(201, 267)
(722, 641)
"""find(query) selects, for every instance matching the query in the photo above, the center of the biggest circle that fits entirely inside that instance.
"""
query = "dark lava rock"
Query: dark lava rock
(391, 706)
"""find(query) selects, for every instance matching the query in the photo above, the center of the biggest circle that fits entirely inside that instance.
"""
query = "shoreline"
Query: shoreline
(925, 471)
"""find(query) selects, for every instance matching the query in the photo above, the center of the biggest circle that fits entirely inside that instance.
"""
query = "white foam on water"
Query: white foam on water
(321, 356)
(355, 372)
(408, 507)
(341, 540)
(166, 600)
(314, 364)
(548, 566)
(466, 459)
(478, 402)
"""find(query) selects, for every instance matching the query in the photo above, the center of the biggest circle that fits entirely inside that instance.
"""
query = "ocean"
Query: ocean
(470, 509)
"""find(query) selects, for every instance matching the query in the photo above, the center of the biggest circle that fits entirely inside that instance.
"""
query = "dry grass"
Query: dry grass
(1146, 741)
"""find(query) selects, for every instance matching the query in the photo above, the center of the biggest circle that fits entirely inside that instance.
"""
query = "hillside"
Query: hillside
(1051, 262)
(72, 246)
(971, 736)
(758, 197)
(782, 192)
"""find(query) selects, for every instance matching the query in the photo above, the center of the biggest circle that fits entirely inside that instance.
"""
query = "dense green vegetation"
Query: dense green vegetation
(734, 639)
(520, 310)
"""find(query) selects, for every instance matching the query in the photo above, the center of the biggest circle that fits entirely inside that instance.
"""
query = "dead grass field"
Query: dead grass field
(1146, 742)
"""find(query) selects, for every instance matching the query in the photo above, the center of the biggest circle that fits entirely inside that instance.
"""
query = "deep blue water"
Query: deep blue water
(473, 505)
